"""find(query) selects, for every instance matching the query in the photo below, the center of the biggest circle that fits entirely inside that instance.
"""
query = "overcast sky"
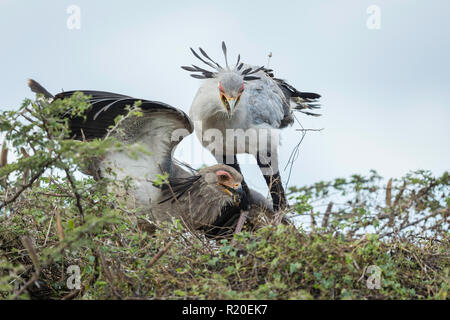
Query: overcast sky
(385, 91)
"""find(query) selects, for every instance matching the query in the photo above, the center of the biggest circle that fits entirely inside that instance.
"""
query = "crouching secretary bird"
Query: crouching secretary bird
(210, 199)
(244, 101)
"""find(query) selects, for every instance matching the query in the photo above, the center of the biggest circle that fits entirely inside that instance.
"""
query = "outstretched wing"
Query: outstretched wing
(105, 107)
(160, 128)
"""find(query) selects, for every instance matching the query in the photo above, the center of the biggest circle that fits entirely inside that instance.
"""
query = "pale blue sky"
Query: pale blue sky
(385, 92)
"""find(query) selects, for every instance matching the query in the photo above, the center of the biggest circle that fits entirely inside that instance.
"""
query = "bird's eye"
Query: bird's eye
(223, 175)
(241, 89)
(221, 88)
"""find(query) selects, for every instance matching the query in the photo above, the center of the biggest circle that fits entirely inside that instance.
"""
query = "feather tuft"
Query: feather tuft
(224, 49)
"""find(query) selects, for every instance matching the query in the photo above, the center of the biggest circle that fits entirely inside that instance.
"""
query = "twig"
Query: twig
(4, 155)
(313, 221)
(59, 226)
(399, 194)
(28, 185)
(108, 275)
(34, 278)
(295, 153)
(388, 193)
(28, 244)
(75, 191)
(407, 225)
(48, 230)
(241, 221)
(327, 215)
(27, 172)
(127, 116)
(306, 130)
(67, 192)
(160, 253)
(56, 195)
(4, 162)
(71, 294)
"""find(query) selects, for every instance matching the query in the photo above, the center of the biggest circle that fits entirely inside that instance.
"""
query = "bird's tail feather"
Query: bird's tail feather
(306, 101)
(38, 89)
(299, 101)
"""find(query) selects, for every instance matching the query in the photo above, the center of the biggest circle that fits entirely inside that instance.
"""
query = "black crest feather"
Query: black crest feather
(224, 49)
(207, 57)
(250, 78)
(176, 187)
(200, 58)
(206, 74)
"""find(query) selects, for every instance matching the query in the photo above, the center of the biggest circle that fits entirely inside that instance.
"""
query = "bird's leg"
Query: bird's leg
(246, 200)
(273, 181)
(241, 221)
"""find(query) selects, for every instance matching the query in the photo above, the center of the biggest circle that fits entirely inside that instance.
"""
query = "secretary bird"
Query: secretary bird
(247, 105)
(210, 199)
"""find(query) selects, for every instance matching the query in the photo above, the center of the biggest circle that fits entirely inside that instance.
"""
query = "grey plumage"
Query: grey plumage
(201, 202)
(209, 199)
(248, 98)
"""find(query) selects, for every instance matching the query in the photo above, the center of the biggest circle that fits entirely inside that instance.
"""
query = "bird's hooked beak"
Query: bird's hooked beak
(229, 103)
(232, 102)
(237, 193)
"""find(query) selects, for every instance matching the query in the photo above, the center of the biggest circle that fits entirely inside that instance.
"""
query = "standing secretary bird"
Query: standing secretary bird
(242, 107)
(210, 199)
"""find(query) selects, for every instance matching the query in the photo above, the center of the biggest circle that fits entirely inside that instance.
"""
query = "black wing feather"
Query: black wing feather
(104, 109)
(177, 187)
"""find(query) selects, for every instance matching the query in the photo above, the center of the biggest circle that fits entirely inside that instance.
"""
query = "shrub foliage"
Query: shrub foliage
(347, 233)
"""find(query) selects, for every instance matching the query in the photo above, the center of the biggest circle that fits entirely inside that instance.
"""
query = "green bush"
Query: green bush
(358, 230)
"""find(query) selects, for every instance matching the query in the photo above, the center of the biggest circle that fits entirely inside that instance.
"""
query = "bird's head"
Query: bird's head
(231, 79)
(231, 86)
(224, 179)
